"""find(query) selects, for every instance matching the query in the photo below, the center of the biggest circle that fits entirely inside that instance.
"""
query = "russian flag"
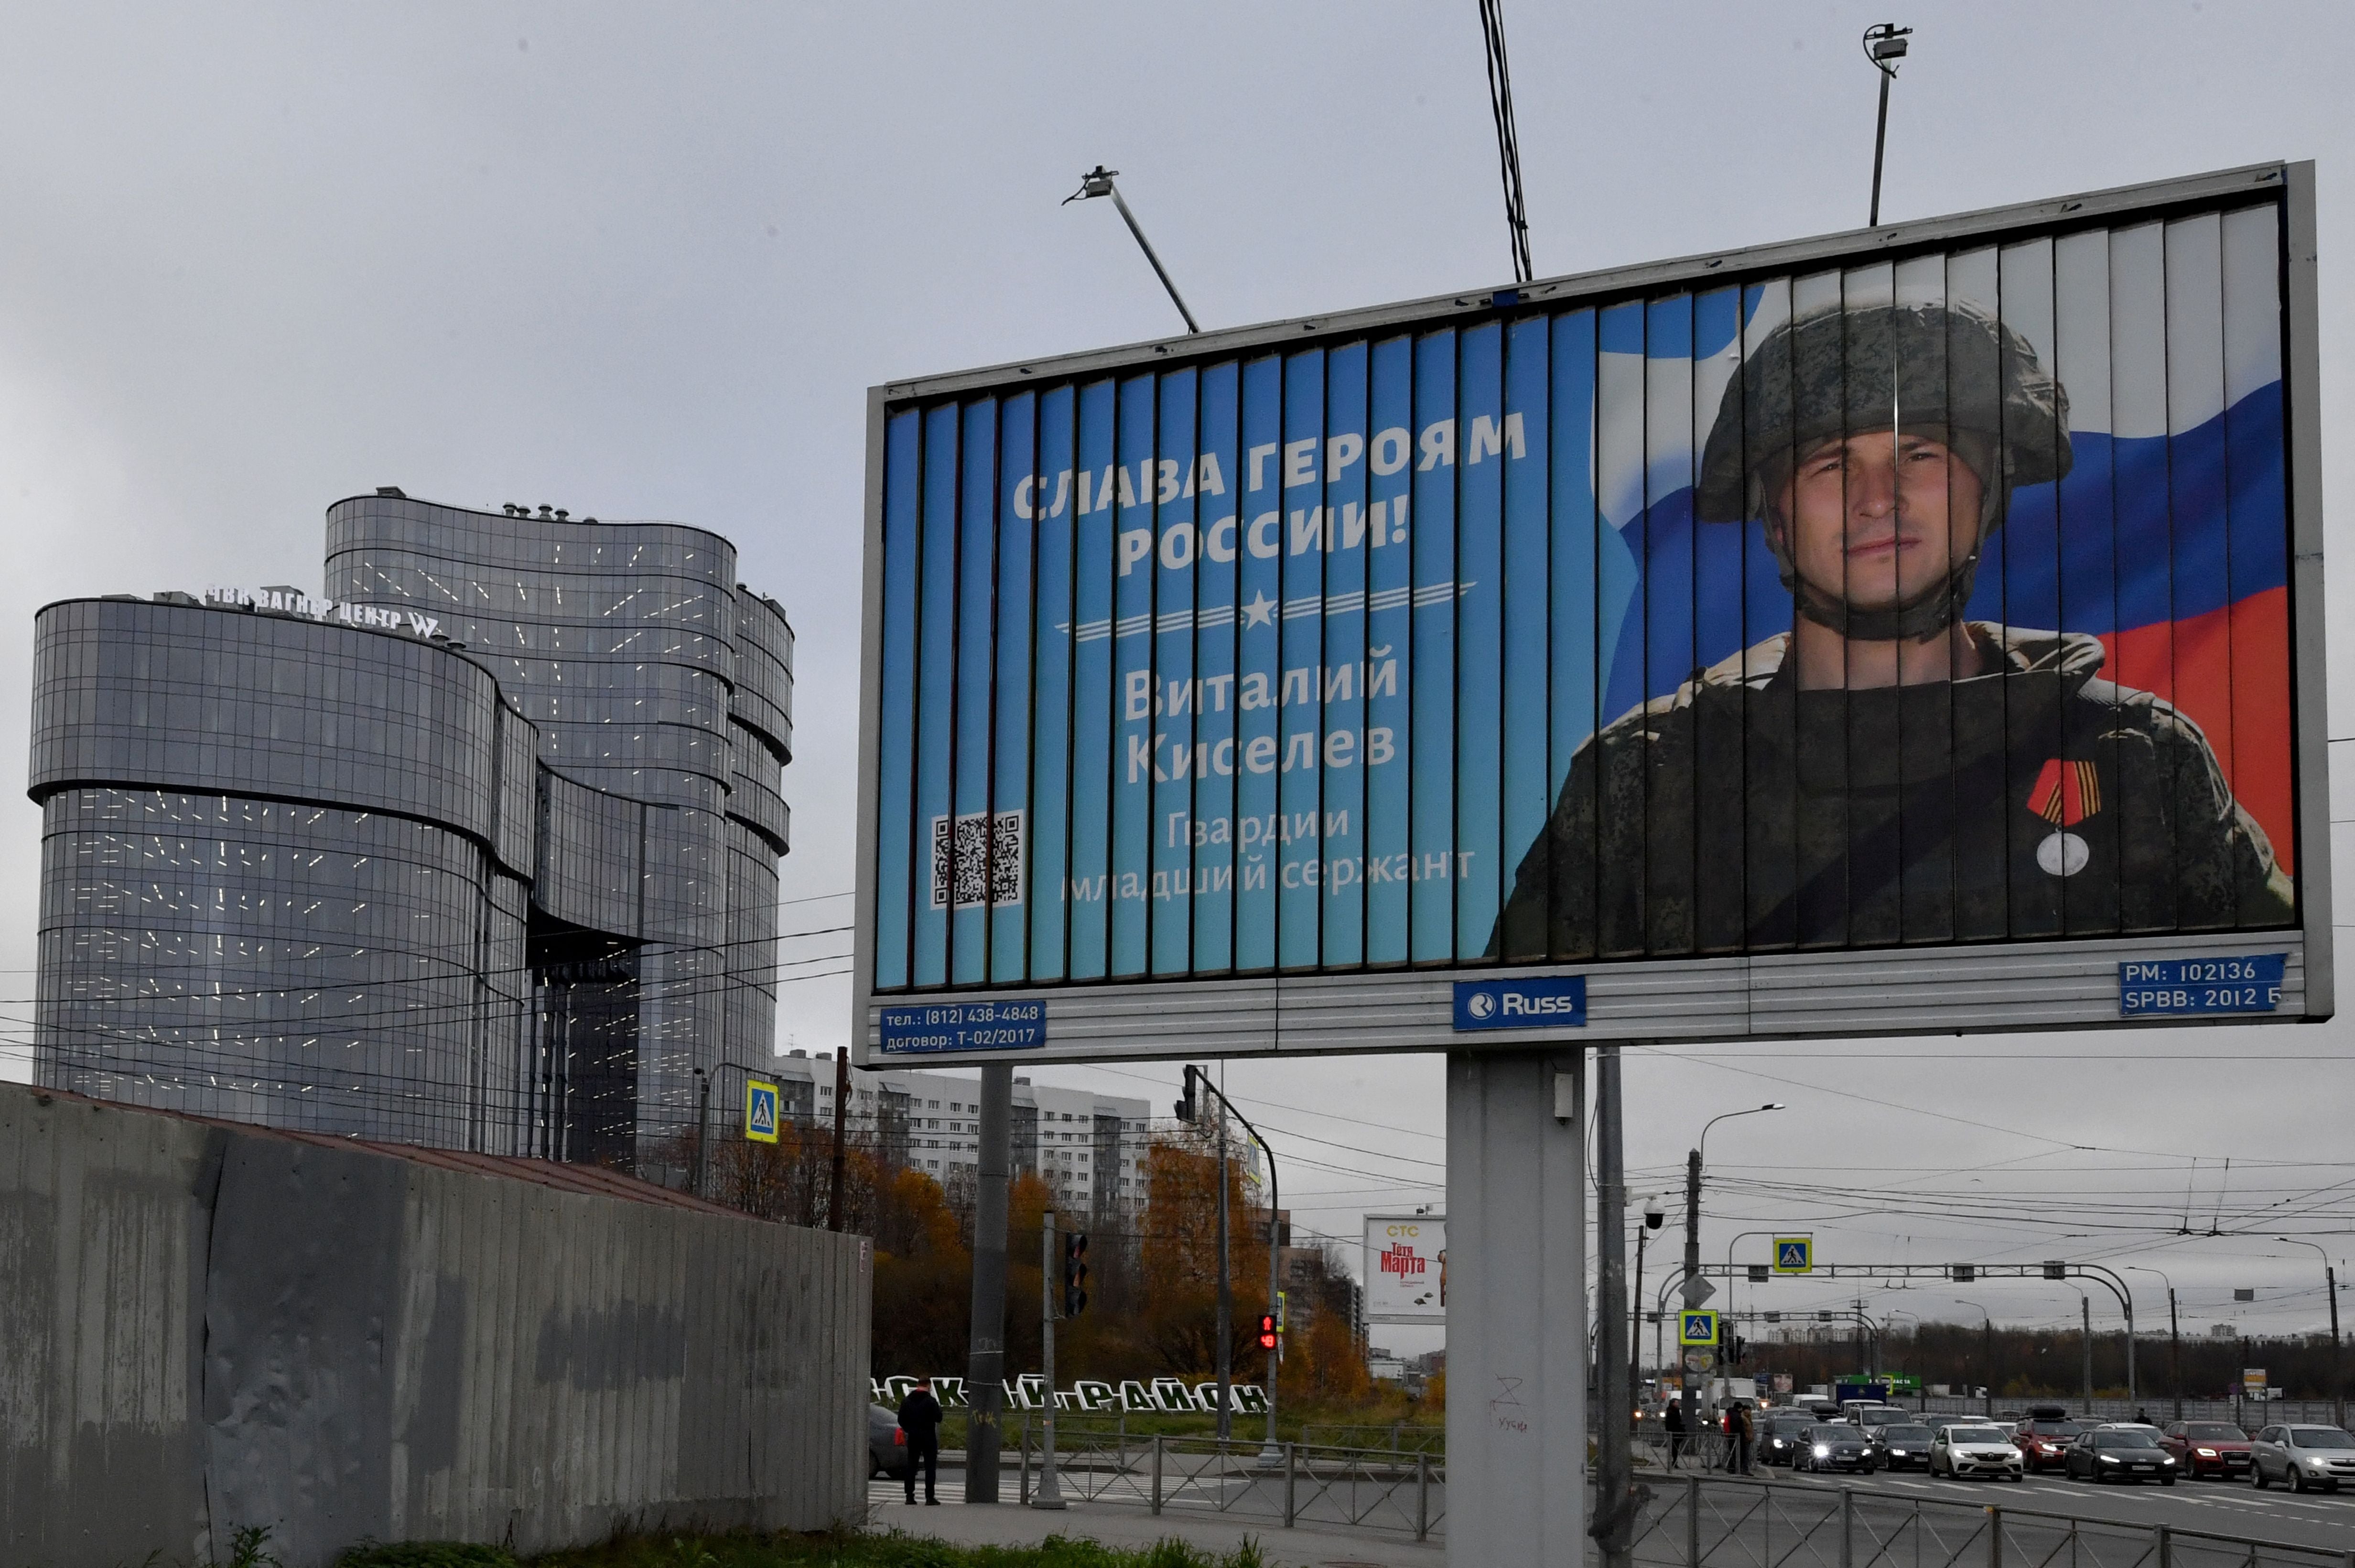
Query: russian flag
(2168, 538)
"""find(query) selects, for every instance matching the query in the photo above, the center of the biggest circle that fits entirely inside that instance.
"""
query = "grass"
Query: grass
(888, 1549)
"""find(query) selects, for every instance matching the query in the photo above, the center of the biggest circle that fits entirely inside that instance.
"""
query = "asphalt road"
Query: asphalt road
(1884, 1503)
(2219, 1507)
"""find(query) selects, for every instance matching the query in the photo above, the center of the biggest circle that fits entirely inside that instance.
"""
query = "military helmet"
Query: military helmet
(1937, 369)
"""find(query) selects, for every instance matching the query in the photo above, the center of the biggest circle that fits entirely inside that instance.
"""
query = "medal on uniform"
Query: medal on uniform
(2066, 792)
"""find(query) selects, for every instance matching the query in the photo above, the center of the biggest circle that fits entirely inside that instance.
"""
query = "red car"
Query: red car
(2209, 1449)
(2044, 1438)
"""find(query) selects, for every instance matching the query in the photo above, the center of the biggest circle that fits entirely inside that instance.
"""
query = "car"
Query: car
(1835, 1445)
(1960, 1448)
(2122, 1454)
(1782, 1435)
(1900, 1446)
(2208, 1449)
(2044, 1438)
(2303, 1456)
(887, 1444)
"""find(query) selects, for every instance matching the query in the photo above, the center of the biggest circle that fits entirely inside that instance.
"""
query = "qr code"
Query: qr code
(978, 859)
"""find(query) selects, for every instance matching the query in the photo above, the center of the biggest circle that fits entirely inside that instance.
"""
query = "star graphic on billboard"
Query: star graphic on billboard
(1260, 611)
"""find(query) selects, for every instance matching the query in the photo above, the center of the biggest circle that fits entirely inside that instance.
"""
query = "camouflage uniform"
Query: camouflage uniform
(1741, 813)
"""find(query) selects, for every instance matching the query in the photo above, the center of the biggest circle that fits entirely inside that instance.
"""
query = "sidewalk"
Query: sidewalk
(1120, 1524)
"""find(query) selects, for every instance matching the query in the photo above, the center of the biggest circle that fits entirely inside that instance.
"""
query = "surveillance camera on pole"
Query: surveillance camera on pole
(1884, 46)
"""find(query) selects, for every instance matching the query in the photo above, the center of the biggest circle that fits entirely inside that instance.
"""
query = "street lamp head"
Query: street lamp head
(1097, 181)
(1884, 43)
(1775, 1105)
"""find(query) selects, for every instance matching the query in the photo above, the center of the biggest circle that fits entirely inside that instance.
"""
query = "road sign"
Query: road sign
(1795, 1255)
(1701, 1361)
(760, 1111)
(1696, 1329)
(2253, 1382)
(1697, 1291)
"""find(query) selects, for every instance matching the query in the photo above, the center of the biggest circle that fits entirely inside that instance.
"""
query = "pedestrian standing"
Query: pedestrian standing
(920, 1418)
(1675, 1425)
(1742, 1431)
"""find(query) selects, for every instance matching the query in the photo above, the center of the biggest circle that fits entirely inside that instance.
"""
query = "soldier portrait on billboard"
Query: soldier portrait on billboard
(1888, 770)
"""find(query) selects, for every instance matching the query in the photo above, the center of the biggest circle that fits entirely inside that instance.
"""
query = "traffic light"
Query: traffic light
(1741, 1350)
(1267, 1330)
(1187, 1110)
(1075, 1275)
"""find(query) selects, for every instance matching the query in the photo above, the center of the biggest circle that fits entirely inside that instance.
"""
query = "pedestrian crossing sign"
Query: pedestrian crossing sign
(1795, 1255)
(1696, 1327)
(760, 1111)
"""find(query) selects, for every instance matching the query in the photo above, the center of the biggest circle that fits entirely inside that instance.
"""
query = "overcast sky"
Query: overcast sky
(643, 262)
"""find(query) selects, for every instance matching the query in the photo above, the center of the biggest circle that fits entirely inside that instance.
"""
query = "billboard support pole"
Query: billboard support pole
(986, 1351)
(1517, 1306)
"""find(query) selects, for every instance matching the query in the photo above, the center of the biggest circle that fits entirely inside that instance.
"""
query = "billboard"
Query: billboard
(1406, 1268)
(1916, 629)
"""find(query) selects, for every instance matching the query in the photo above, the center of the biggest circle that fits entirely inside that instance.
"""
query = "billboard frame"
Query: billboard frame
(2049, 984)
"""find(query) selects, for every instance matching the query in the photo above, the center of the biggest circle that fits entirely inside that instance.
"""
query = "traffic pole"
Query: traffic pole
(986, 1342)
(1226, 1288)
(1048, 1495)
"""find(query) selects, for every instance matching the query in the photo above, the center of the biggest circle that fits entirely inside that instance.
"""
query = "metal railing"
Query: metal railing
(1705, 1521)
(1398, 1437)
(1400, 1492)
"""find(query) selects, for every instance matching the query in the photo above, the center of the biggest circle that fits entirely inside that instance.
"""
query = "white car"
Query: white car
(1975, 1448)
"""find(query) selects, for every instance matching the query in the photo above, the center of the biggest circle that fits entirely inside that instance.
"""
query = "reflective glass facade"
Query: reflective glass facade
(504, 888)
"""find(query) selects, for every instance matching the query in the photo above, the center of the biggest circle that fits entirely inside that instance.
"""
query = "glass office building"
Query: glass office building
(478, 851)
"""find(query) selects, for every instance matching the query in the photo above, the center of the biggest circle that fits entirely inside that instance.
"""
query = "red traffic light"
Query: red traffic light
(1267, 1330)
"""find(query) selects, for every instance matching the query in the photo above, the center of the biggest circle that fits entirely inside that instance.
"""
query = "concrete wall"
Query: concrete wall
(207, 1328)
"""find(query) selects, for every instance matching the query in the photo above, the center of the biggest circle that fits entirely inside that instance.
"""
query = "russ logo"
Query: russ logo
(1551, 1001)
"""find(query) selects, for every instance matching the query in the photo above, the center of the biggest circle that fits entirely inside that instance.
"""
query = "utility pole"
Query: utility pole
(2174, 1353)
(1048, 1495)
(702, 1130)
(1688, 1395)
(2086, 1304)
(986, 1344)
(1613, 1526)
(841, 1108)
(2330, 1286)
(1884, 46)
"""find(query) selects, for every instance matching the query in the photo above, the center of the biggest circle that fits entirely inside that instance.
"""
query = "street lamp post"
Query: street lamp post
(1987, 1350)
(2330, 1284)
(2174, 1336)
(1689, 1399)
(1884, 46)
(1654, 1218)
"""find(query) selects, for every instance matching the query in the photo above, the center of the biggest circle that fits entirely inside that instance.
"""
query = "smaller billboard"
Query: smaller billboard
(1406, 1268)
